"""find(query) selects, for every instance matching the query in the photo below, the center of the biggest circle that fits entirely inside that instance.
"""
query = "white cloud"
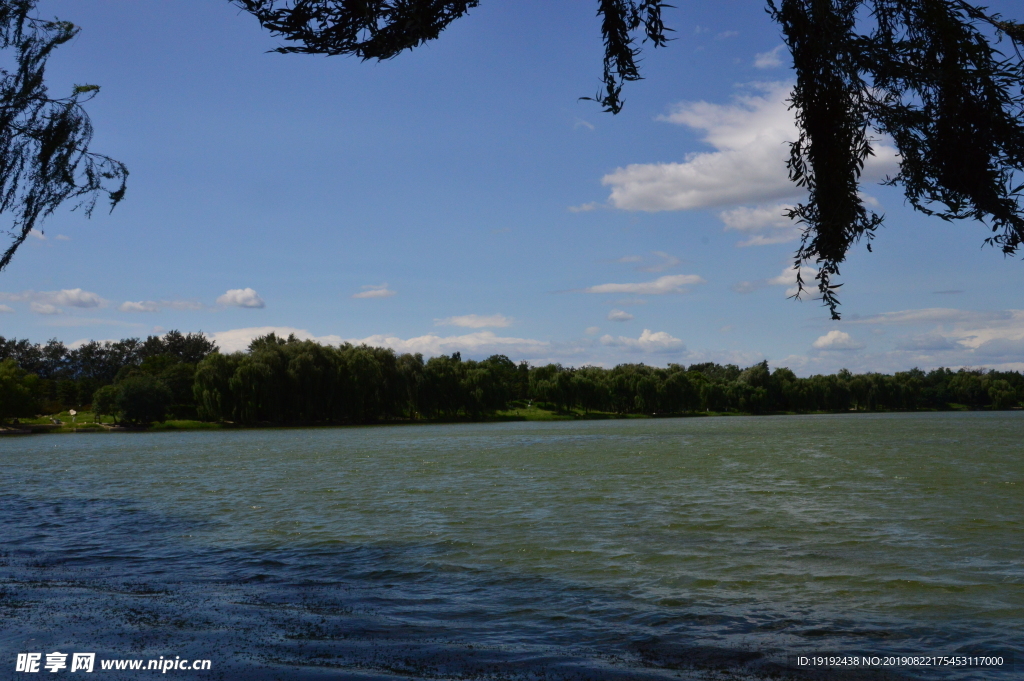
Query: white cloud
(74, 345)
(619, 316)
(647, 342)
(956, 338)
(477, 343)
(583, 207)
(157, 305)
(929, 342)
(371, 291)
(749, 165)
(738, 357)
(241, 297)
(475, 321)
(35, 233)
(869, 200)
(1007, 358)
(837, 340)
(940, 315)
(990, 333)
(770, 59)
(51, 302)
(766, 225)
(62, 237)
(1001, 348)
(140, 306)
(6, 308)
(44, 308)
(74, 297)
(788, 279)
(726, 34)
(673, 283)
(235, 340)
(996, 341)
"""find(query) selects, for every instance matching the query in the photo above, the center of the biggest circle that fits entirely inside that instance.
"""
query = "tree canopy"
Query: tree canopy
(926, 73)
(45, 159)
(941, 78)
(289, 381)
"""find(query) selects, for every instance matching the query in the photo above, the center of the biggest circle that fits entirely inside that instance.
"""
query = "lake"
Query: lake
(631, 549)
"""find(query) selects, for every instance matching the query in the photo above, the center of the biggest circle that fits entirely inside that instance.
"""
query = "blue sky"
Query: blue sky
(461, 198)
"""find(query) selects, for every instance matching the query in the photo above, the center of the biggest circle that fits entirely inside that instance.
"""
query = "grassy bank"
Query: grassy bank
(85, 421)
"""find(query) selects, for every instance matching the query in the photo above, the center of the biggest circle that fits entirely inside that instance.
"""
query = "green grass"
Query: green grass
(85, 421)
(63, 416)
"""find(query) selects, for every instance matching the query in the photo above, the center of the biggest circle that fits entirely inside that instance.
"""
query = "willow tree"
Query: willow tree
(45, 159)
(941, 78)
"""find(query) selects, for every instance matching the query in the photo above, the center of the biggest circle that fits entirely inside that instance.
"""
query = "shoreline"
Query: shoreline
(535, 415)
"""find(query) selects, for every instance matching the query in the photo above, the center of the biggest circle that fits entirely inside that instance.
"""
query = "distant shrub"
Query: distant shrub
(104, 401)
(19, 391)
(141, 400)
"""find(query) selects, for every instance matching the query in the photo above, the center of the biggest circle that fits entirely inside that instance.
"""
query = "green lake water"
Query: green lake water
(665, 548)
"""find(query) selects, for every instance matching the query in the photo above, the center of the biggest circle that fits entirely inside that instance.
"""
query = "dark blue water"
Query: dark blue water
(653, 549)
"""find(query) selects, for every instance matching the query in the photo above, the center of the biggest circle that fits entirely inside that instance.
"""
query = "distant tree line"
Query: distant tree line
(289, 381)
(52, 377)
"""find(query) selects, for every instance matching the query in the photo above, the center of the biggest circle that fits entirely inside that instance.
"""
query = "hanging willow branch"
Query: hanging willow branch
(830, 99)
(382, 29)
(44, 142)
(926, 73)
(368, 29)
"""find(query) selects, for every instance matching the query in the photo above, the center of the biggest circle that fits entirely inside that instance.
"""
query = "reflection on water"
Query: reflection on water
(669, 548)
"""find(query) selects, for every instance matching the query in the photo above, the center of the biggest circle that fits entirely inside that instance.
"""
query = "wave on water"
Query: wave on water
(103, 576)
